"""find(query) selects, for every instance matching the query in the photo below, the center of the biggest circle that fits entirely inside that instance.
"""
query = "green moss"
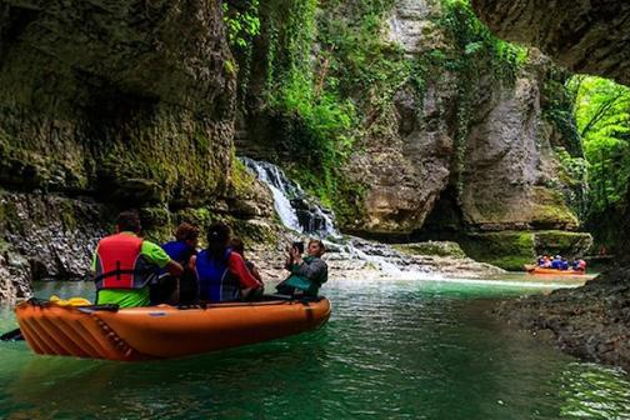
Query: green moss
(508, 250)
(441, 249)
(254, 233)
(157, 223)
(512, 250)
(241, 180)
(568, 244)
(551, 210)
(201, 217)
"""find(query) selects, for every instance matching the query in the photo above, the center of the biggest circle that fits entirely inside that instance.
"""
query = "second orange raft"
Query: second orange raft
(533, 269)
(163, 331)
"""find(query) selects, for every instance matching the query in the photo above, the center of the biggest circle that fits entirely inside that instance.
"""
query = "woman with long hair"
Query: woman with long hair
(222, 274)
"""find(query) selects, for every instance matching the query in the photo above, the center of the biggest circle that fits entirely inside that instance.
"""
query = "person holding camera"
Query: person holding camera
(307, 273)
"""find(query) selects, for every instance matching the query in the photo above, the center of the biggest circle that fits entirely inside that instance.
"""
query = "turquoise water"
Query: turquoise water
(392, 349)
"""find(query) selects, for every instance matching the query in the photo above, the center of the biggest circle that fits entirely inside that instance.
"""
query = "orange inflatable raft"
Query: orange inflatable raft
(533, 269)
(162, 331)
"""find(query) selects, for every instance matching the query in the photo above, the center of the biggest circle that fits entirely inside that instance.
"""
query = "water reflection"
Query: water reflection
(592, 391)
(394, 349)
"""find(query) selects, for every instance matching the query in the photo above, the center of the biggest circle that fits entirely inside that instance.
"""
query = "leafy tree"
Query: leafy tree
(602, 111)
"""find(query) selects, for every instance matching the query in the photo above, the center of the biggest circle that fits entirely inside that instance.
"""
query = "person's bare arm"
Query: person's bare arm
(174, 268)
(191, 263)
(256, 273)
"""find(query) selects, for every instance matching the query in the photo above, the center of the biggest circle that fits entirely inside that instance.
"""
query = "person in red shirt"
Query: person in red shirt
(237, 245)
(222, 274)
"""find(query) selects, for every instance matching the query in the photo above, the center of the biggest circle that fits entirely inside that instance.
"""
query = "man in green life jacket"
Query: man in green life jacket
(308, 273)
(124, 264)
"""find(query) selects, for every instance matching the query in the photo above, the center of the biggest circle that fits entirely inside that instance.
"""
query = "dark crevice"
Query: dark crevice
(13, 22)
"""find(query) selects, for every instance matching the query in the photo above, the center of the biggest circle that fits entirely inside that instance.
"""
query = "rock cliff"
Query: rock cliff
(111, 105)
(586, 36)
(592, 37)
(443, 118)
(502, 165)
(450, 130)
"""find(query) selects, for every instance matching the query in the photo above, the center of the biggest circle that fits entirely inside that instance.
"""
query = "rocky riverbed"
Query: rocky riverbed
(358, 258)
(591, 322)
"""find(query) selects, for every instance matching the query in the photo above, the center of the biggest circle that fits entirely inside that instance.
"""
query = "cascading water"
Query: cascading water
(303, 215)
(296, 210)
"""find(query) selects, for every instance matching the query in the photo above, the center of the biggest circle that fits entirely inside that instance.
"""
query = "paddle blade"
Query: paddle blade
(15, 335)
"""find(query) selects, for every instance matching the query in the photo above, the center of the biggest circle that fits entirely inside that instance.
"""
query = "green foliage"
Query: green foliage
(603, 116)
(476, 53)
(316, 92)
(573, 173)
(558, 108)
(331, 76)
(242, 24)
(602, 112)
(476, 47)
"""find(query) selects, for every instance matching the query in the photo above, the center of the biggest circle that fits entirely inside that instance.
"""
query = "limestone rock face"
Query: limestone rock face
(110, 105)
(410, 24)
(406, 167)
(124, 98)
(501, 171)
(49, 236)
(585, 36)
(505, 164)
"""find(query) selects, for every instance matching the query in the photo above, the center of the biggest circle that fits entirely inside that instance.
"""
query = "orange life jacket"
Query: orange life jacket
(120, 263)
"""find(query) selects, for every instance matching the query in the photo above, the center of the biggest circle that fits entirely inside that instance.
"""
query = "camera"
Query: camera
(299, 246)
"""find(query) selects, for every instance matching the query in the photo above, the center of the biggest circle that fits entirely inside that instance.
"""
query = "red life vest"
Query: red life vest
(120, 264)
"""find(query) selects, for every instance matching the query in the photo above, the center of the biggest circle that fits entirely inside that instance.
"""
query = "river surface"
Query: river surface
(392, 349)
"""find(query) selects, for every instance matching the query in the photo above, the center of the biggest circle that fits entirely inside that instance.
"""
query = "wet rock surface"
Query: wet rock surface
(111, 105)
(47, 237)
(591, 322)
(357, 258)
(586, 37)
(503, 174)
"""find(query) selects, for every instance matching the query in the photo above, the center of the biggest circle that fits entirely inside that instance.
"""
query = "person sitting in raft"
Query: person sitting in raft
(308, 273)
(556, 263)
(540, 261)
(564, 264)
(222, 274)
(237, 245)
(579, 264)
(125, 264)
(169, 289)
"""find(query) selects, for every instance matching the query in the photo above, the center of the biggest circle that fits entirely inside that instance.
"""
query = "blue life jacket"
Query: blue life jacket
(564, 265)
(179, 251)
(216, 283)
(556, 264)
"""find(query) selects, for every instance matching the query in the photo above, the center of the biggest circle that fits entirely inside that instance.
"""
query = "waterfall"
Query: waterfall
(296, 209)
(304, 215)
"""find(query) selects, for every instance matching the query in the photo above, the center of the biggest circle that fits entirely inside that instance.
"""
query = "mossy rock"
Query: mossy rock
(157, 223)
(508, 250)
(438, 248)
(567, 244)
(551, 211)
(511, 250)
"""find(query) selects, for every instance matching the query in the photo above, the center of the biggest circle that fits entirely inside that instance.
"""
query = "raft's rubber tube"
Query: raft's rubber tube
(163, 331)
(532, 269)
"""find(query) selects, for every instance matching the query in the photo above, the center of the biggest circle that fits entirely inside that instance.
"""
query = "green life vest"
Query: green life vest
(310, 287)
